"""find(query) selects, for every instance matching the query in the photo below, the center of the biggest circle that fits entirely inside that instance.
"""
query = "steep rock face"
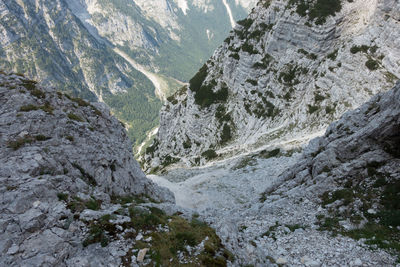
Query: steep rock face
(351, 176)
(283, 74)
(53, 148)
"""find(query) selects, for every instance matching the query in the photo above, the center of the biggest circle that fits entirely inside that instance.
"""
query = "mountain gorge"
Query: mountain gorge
(130, 55)
(282, 150)
(283, 74)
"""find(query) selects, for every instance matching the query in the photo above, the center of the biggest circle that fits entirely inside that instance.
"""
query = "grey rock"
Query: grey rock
(52, 148)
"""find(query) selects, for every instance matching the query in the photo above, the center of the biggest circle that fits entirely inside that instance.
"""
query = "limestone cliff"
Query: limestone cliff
(283, 74)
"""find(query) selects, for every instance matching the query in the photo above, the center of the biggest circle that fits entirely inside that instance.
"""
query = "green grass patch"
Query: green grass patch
(75, 117)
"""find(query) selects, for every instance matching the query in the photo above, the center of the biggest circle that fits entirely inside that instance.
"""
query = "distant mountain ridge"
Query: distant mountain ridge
(71, 45)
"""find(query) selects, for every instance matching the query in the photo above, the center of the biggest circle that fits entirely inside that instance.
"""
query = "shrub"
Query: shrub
(312, 109)
(29, 84)
(332, 56)
(226, 134)
(168, 160)
(329, 110)
(355, 49)
(246, 23)
(289, 77)
(187, 144)
(252, 82)
(319, 10)
(235, 56)
(318, 97)
(205, 96)
(197, 81)
(372, 64)
(249, 48)
(209, 154)
(324, 8)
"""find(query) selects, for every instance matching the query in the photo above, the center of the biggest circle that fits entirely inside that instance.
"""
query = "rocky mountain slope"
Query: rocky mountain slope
(72, 194)
(46, 41)
(72, 45)
(284, 73)
(171, 37)
(334, 204)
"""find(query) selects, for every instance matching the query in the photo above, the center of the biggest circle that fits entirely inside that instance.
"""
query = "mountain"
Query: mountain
(283, 74)
(73, 195)
(129, 55)
(333, 202)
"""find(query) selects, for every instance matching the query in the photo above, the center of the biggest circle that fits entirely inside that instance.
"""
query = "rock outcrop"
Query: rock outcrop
(60, 158)
(347, 182)
(283, 74)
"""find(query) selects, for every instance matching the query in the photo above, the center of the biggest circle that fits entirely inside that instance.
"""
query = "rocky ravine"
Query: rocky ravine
(286, 71)
(335, 204)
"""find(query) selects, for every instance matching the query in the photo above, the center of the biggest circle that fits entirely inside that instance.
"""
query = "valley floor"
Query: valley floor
(282, 230)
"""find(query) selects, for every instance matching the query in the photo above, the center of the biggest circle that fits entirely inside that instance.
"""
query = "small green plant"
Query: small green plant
(38, 93)
(28, 108)
(29, 84)
(41, 137)
(96, 235)
(70, 138)
(75, 117)
(289, 77)
(62, 196)
(85, 176)
(93, 204)
(332, 56)
(330, 110)
(20, 142)
(270, 154)
(271, 231)
(294, 227)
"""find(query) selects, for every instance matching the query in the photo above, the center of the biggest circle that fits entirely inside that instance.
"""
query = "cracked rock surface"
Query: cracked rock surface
(54, 148)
